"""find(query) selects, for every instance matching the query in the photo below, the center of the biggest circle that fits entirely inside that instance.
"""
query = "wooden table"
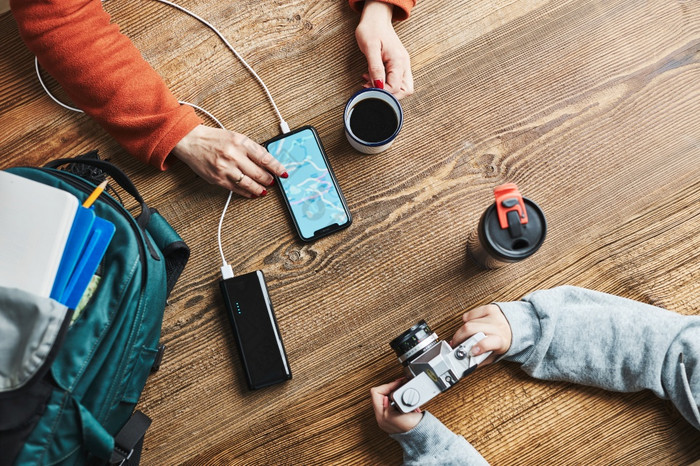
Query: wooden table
(591, 107)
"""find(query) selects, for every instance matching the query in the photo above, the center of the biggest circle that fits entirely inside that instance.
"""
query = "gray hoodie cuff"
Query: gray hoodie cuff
(431, 443)
(525, 327)
(419, 440)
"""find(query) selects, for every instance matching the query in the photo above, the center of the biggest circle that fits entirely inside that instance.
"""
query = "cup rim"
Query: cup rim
(361, 141)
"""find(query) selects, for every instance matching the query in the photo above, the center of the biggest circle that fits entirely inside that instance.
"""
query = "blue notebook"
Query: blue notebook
(78, 236)
(90, 257)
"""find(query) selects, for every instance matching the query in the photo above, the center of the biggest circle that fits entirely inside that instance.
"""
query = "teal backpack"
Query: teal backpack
(77, 405)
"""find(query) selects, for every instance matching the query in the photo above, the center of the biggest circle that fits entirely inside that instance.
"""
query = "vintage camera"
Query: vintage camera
(431, 365)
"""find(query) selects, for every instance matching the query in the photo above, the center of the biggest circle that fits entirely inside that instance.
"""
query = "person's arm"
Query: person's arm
(431, 443)
(577, 335)
(597, 339)
(105, 75)
(424, 439)
(388, 62)
(401, 8)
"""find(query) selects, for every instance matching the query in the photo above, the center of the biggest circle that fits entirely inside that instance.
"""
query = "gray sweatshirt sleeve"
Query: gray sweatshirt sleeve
(431, 443)
(592, 338)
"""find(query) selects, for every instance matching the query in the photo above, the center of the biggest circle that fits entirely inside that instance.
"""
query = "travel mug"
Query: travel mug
(510, 230)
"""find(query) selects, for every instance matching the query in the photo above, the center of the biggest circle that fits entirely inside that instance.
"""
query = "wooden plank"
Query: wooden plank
(590, 107)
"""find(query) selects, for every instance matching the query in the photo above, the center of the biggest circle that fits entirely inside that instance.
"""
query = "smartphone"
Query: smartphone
(311, 192)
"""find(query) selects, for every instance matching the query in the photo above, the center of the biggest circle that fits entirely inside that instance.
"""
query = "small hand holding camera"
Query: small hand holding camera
(431, 365)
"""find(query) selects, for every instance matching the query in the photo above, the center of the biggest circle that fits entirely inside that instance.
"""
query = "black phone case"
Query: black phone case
(332, 228)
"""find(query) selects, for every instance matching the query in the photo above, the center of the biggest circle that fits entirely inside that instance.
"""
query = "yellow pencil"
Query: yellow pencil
(95, 194)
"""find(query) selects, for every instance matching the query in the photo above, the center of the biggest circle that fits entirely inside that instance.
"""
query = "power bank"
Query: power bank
(255, 330)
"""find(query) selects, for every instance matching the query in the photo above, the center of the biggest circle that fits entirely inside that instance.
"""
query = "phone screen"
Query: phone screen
(311, 191)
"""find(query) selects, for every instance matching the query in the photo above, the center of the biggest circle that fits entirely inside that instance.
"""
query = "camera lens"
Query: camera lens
(413, 342)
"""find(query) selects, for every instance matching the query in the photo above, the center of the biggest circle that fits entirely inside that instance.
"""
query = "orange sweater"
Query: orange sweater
(106, 76)
(402, 8)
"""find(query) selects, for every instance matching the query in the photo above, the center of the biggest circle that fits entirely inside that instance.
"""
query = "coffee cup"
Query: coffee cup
(373, 118)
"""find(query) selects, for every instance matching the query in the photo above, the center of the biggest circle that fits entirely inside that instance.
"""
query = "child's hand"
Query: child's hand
(490, 320)
(387, 59)
(390, 419)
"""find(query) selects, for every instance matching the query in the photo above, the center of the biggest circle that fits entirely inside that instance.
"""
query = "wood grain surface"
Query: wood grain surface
(591, 107)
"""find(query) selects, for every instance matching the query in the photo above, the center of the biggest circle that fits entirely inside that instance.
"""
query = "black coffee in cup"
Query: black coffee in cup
(510, 230)
(373, 120)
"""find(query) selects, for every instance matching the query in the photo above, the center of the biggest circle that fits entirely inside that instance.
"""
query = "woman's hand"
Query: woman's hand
(230, 160)
(389, 65)
(390, 419)
(490, 320)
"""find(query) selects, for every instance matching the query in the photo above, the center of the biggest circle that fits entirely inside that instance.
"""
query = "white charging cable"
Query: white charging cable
(284, 127)
(226, 270)
(283, 124)
(46, 89)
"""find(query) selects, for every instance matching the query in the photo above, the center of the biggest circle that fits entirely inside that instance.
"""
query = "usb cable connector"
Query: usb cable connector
(226, 272)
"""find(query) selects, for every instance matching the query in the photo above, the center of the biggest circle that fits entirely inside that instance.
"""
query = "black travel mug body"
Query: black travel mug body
(512, 229)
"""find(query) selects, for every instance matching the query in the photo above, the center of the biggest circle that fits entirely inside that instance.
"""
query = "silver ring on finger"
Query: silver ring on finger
(238, 181)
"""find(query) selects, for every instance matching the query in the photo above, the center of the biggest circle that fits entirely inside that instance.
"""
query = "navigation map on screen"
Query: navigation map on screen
(309, 189)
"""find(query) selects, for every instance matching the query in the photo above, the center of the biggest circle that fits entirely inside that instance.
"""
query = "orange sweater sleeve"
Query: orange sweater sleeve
(402, 8)
(105, 75)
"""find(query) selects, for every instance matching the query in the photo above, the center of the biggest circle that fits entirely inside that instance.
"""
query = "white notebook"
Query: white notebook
(35, 220)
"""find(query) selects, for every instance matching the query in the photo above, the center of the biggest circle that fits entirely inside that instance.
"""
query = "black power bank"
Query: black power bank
(255, 329)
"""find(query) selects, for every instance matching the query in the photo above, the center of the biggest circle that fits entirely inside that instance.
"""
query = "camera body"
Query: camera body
(431, 365)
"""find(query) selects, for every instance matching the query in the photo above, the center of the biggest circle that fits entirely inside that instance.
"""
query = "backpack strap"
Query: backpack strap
(129, 440)
(117, 175)
(174, 249)
(105, 449)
